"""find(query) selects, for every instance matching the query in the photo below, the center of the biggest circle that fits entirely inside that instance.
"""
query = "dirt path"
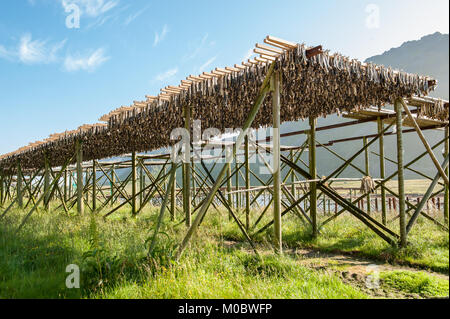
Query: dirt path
(357, 271)
(353, 270)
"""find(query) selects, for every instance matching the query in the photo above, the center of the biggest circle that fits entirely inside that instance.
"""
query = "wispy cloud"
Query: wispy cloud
(166, 75)
(6, 53)
(88, 62)
(91, 8)
(134, 16)
(248, 55)
(203, 67)
(159, 37)
(198, 47)
(31, 51)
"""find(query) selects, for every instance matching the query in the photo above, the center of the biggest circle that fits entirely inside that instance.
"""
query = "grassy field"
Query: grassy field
(114, 261)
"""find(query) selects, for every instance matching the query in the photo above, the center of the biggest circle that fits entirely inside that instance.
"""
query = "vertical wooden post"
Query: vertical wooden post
(65, 186)
(237, 184)
(276, 162)
(113, 180)
(446, 191)
(85, 183)
(367, 167)
(79, 154)
(187, 170)
(382, 170)
(133, 184)
(19, 185)
(294, 195)
(194, 187)
(141, 183)
(173, 193)
(2, 181)
(47, 183)
(247, 185)
(313, 173)
(229, 188)
(94, 186)
(70, 184)
(401, 178)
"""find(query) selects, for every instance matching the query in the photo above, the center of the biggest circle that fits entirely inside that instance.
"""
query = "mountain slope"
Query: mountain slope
(427, 56)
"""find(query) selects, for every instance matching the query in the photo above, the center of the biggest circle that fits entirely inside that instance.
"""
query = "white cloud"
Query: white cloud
(134, 16)
(160, 37)
(31, 51)
(88, 62)
(37, 51)
(92, 8)
(167, 75)
(207, 64)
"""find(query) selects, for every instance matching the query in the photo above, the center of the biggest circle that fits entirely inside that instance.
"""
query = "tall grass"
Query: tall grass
(114, 261)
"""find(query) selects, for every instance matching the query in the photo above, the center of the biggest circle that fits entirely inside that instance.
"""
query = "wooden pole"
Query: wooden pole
(79, 154)
(209, 198)
(94, 186)
(276, 162)
(65, 186)
(187, 170)
(247, 185)
(133, 184)
(19, 185)
(294, 195)
(425, 198)
(70, 184)
(173, 193)
(425, 143)
(237, 168)
(194, 187)
(401, 178)
(2, 183)
(382, 170)
(112, 182)
(229, 187)
(367, 168)
(141, 183)
(446, 191)
(163, 207)
(47, 183)
(313, 173)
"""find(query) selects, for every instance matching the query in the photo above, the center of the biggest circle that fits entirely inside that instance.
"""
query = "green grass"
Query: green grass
(428, 246)
(416, 282)
(112, 256)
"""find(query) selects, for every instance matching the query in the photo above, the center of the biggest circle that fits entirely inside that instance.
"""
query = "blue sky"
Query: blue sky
(54, 78)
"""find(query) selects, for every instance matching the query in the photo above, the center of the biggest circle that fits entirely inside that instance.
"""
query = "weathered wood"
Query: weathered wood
(400, 169)
(446, 190)
(276, 104)
(79, 155)
(248, 123)
(163, 207)
(367, 169)
(382, 170)
(424, 141)
(19, 185)
(313, 173)
(133, 184)
(173, 193)
(247, 185)
(94, 185)
(44, 195)
(425, 198)
(47, 183)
